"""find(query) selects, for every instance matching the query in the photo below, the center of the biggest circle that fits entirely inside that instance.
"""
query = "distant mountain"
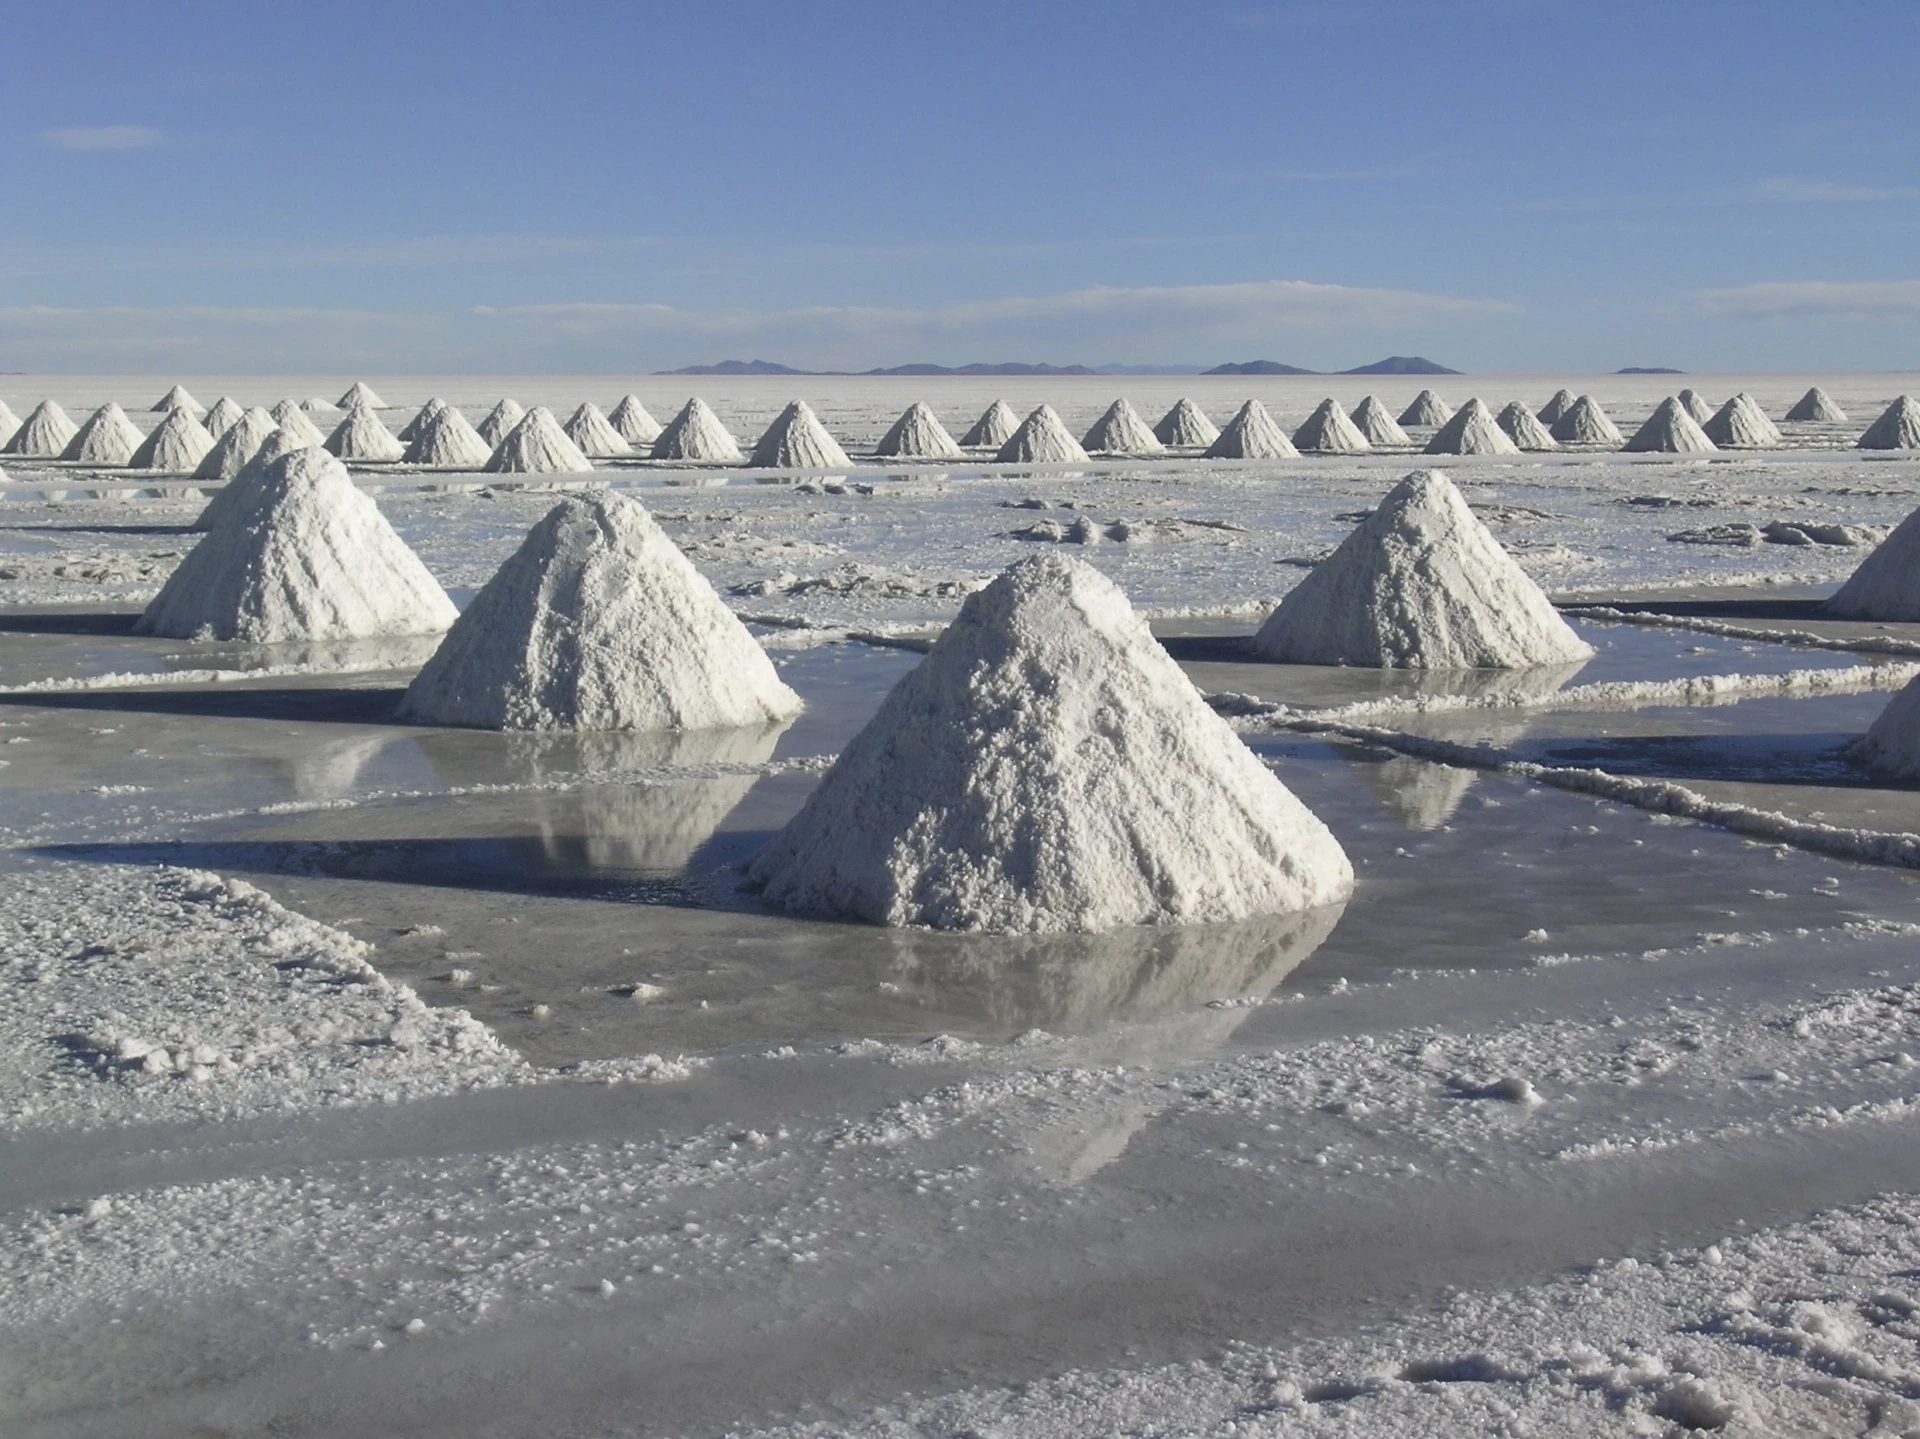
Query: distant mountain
(1259, 367)
(1009, 369)
(1648, 370)
(1149, 369)
(1401, 365)
(739, 367)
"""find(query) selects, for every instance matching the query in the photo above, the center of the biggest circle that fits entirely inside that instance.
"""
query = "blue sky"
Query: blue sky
(474, 186)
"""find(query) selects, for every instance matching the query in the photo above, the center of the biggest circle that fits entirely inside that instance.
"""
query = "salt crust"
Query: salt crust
(796, 440)
(1670, 430)
(362, 436)
(1252, 434)
(1427, 409)
(1561, 402)
(236, 449)
(1524, 429)
(1886, 586)
(1892, 743)
(918, 435)
(177, 398)
(631, 419)
(1698, 408)
(360, 395)
(994, 427)
(176, 446)
(1585, 423)
(1042, 439)
(1741, 424)
(697, 434)
(1186, 427)
(107, 437)
(291, 418)
(1419, 584)
(597, 439)
(43, 434)
(537, 446)
(1898, 428)
(500, 420)
(1471, 431)
(221, 415)
(1328, 431)
(1048, 768)
(446, 441)
(308, 558)
(1816, 404)
(1121, 431)
(1377, 423)
(598, 622)
(410, 431)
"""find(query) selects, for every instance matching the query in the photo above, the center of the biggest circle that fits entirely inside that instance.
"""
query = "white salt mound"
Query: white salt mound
(361, 436)
(1585, 423)
(1252, 434)
(1042, 439)
(107, 437)
(1698, 408)
(1471, 431)
(597, 439)
(1121, 431)
(319, 405)
(1741, 424)
(500, 420)
(994, 427)
(1561, 402)
(1524, 428)
(177, 445)
(537, 446)
(1186, 427)
(177, 398)
(221, 416)
(697, 434)
(410, 431)
(291, 418)
(631, 419)
(1328, 431)
(313, 559)
(241, 493)
(1376, 422)
(1671, 430)
(598, 622)
(448, 442)
(1047, 767)
(1886, 585)
(360, 395)
(235, 450)
(9, 423)
(918, 435)
(1427, 409)
(1892, 744)
(44, 434)
(1816, 404)
(796, 440)
(1419, 584)
(1898, 428)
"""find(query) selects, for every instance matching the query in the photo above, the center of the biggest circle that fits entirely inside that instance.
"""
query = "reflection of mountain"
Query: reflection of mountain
(1419, 793)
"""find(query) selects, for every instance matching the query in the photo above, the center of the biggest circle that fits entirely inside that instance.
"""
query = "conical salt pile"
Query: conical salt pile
(1741, 424)
(243, 492)
(9, 423)
(597, 439)
(1892, 744)
(1585, 423)
(598, 622)
(1427, 409)
(410, 431)
(1816, 404)
(798, 441)
(222, 415)
(1695, 406)
(177, 398)
(1047, 767)
(697, 434)
(1670, 430)
(291, 418)
(313, 559)
(918, 435)
(1121, 431)
(1524, 428)
(360, 395)
(361, 436)
(44, 434)
(1896, 429)
(1471, 431)
(448, 442)
(631, 419)
(1419, 584)
(107, 438)
(235, 450)
(1328, 431)
(177, 445)
(1186, 427)
(1550, 413)
(994, 427)
(319, 405)
(1041, 440)
(1376, 422)
(537, 446)
(500, 420)
(1886, 584)
(1252, 434)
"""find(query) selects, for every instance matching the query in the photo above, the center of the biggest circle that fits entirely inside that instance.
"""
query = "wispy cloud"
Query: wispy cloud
(104, 137)
(1819, 299)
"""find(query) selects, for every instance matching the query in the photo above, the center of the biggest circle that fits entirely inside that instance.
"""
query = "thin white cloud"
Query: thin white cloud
(1817, 299)
(104, 137)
